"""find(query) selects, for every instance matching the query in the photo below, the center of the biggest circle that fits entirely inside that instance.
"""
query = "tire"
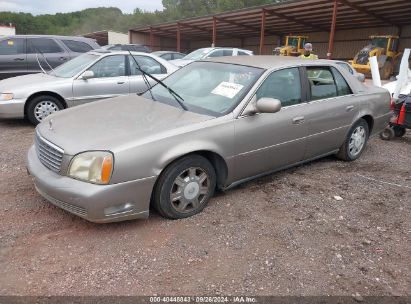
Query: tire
(386, 70)
(387, 134)
(355, 142)
(42, 106)
(179, 193)
(399, 131)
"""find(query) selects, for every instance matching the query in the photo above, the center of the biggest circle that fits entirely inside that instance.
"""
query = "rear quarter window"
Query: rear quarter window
(77, 46)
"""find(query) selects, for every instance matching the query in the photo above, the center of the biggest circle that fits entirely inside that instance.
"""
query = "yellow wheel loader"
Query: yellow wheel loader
(294, 46)
(386, 50)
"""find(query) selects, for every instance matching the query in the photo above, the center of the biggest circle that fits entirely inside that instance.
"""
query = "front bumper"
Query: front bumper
(95, 203)
(12, 108)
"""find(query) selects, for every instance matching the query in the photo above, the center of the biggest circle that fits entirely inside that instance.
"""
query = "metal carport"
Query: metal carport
(277, 20)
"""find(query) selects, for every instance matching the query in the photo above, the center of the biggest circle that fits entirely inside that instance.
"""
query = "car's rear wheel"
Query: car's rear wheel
(355, 142)
(42, 106)
(185, 187)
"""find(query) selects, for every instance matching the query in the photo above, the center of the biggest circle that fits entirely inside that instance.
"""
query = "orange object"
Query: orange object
(401, 117)
(106, 169)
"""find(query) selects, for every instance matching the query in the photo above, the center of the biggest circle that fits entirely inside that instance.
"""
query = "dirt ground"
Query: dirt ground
(284, 234)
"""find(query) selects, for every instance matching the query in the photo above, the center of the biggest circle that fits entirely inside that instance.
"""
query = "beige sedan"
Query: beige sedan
(212, 124)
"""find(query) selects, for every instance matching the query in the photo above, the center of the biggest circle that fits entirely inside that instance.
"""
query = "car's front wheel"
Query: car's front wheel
(185, 187)
(42, 106)
(355, 142)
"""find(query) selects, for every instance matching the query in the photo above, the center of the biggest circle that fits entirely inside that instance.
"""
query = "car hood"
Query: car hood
(25, 82)
(180, 62)
(115, 124)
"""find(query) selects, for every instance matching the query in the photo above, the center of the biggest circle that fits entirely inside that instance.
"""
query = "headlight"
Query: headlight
(94, 167)
(6, 96)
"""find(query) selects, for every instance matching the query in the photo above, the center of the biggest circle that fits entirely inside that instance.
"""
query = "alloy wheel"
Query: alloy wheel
(190, 189)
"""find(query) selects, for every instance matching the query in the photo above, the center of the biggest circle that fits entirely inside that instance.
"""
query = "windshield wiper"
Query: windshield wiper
(173, 93)
(44, 57)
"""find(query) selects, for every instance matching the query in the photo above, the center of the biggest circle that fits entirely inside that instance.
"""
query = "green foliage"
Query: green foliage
(96, 19)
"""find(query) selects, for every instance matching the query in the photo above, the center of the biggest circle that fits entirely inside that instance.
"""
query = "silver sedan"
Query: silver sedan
(92, 76)
(210, 125)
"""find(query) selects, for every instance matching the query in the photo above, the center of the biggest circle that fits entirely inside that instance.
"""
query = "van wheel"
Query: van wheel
(42, 106)
(185, 187)
(355, 142)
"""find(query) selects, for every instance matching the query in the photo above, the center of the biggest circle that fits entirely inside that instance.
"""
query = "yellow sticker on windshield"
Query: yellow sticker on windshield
(10, 42)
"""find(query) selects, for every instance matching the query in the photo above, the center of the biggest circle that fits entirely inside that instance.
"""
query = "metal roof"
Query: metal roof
(290, 17)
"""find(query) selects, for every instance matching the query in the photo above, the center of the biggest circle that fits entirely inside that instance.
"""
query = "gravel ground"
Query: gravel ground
(285, 234)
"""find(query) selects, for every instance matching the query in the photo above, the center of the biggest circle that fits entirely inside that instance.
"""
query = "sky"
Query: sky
(37, 7)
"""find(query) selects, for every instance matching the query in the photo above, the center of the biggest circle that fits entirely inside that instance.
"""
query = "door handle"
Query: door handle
(349, 108)
(63, 58)
(120, 82)
(18, 59)
(298, 120)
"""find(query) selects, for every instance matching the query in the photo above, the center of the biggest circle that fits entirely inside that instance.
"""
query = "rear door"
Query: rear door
(332, 109)
(150, 66)
(48, 51)
(110, 80)
(13, 58)
(269, 141)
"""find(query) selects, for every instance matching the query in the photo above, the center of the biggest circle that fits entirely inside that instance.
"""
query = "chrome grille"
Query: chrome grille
(49, 154)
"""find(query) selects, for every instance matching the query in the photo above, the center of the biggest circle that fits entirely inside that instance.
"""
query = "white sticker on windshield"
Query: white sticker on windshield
(227, 89)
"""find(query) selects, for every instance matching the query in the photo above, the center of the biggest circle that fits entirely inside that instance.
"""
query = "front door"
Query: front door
(110, 80)
(13, 61)
(269, 141)
(331, 110)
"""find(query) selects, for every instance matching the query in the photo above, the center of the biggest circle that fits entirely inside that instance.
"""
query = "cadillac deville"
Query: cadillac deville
(212, 124)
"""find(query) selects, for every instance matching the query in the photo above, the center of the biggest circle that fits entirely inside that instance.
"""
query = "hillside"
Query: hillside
(95, 19)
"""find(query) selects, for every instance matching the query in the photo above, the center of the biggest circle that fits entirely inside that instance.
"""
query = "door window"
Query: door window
(241, 53)
(110, 66)
(322, 83)
(342, 86)
(346, 66)
(42, 45)
(12, 46)
(167, 56)
(221, 53)
(77, 46)
(284, 85)
(394, 45)
(178, 56)
(147, 64)
(326, 82)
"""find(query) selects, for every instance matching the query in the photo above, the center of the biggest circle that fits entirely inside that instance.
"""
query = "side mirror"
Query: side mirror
(263, 105)
(268, 105)
(361, 77)
(87, 75)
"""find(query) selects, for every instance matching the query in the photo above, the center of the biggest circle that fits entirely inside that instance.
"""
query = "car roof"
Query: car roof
(116, 52)
(48, 36)
(165, 52)
(269, 61)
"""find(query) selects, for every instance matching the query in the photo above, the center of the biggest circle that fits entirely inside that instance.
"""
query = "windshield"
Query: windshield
(293, 42)
(198, 54)
(74, 66)
(208, 87)
(380, 42)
